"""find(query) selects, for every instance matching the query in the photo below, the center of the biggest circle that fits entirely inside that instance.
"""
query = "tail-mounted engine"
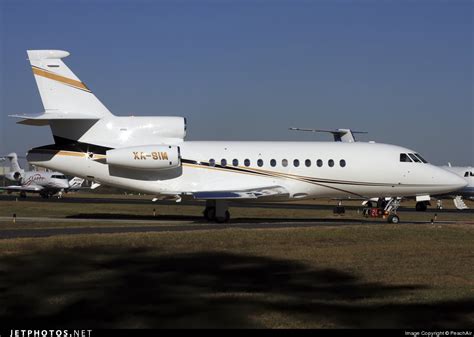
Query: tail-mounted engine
(148, 157)
(15, 176)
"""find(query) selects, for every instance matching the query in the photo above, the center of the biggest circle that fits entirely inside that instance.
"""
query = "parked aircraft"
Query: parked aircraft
(467, 192)
(150, 155)
(45, 183)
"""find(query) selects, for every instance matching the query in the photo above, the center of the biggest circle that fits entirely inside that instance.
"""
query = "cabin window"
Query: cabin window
(223, 162)
(212, 162)
(284, 163)
(260, 163)
(58, 176)
(404, 158)
(235, 162)
(319, 162)
(296, 163)
(331, 163)
(247, 162)
(342, 163)
(273, 162)
(307, 162)
(414, 158)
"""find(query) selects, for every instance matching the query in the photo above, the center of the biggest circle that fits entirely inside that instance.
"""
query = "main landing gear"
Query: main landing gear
(217, 210)
(339, 209)
(45, 195)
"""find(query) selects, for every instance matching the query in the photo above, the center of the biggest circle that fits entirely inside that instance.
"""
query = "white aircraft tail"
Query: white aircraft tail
(79, 121)
(61, 91)
(459, 203)
(14, 166)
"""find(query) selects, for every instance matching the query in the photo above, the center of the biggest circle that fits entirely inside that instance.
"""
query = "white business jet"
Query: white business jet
(150, 155)
(46, 184)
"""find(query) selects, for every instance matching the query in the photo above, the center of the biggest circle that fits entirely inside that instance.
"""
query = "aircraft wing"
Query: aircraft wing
(30, 188)
(271, 191)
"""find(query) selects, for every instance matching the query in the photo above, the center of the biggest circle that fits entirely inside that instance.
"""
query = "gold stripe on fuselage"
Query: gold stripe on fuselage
(220, 169)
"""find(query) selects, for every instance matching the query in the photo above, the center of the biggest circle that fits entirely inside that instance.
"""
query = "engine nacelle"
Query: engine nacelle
(14, 176)
(146, 157)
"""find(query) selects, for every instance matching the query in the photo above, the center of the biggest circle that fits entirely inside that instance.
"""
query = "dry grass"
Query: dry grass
(341, 276)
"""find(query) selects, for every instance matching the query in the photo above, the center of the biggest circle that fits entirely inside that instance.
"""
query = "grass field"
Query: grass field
(364, 275)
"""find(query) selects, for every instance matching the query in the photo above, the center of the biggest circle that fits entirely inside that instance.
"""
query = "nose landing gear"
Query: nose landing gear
(383, 209)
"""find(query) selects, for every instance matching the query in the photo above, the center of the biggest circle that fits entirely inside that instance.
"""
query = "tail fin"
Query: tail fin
(14, 166)
(61, 91)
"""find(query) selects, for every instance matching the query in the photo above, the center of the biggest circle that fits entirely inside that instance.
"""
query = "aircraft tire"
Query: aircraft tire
(224, 219)
(210, 213)
(393, 218)
(421, 206)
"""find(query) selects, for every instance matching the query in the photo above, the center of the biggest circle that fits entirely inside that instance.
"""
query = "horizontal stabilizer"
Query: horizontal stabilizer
(44, 117)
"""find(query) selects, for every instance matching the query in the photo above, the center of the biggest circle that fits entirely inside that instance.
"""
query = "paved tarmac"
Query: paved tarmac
(247, 204)
(141, 226)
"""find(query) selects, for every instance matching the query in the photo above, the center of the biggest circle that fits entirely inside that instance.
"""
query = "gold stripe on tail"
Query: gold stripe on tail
(59, 78)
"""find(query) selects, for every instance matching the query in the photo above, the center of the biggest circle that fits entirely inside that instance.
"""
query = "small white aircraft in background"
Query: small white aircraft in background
(47, 184)
(150, 155)
(467, 192)
(340, 135)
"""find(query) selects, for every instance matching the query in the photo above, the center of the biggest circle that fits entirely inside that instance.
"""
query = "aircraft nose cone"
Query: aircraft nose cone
(453, 181)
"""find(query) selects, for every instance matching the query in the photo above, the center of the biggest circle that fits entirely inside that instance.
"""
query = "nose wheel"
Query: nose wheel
(393, 218)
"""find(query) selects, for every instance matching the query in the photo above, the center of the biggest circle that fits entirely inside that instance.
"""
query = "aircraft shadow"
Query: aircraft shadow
(106, 287)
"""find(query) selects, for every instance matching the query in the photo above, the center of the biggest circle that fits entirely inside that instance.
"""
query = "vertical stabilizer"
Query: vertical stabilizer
(61, 91)
(14, 166)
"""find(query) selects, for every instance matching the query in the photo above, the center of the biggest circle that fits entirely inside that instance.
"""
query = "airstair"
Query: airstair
(459, 203)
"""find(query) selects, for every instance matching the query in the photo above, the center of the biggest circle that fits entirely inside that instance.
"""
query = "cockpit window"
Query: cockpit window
(466, 174)
(414, 158)
(57, 176)
(472, 174)
(404, 158)
(421, 158)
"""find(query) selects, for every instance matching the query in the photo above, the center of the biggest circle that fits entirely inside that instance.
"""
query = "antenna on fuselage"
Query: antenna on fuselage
(340, 135)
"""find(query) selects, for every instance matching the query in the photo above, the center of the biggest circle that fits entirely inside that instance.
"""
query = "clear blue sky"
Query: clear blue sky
(248, 70)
